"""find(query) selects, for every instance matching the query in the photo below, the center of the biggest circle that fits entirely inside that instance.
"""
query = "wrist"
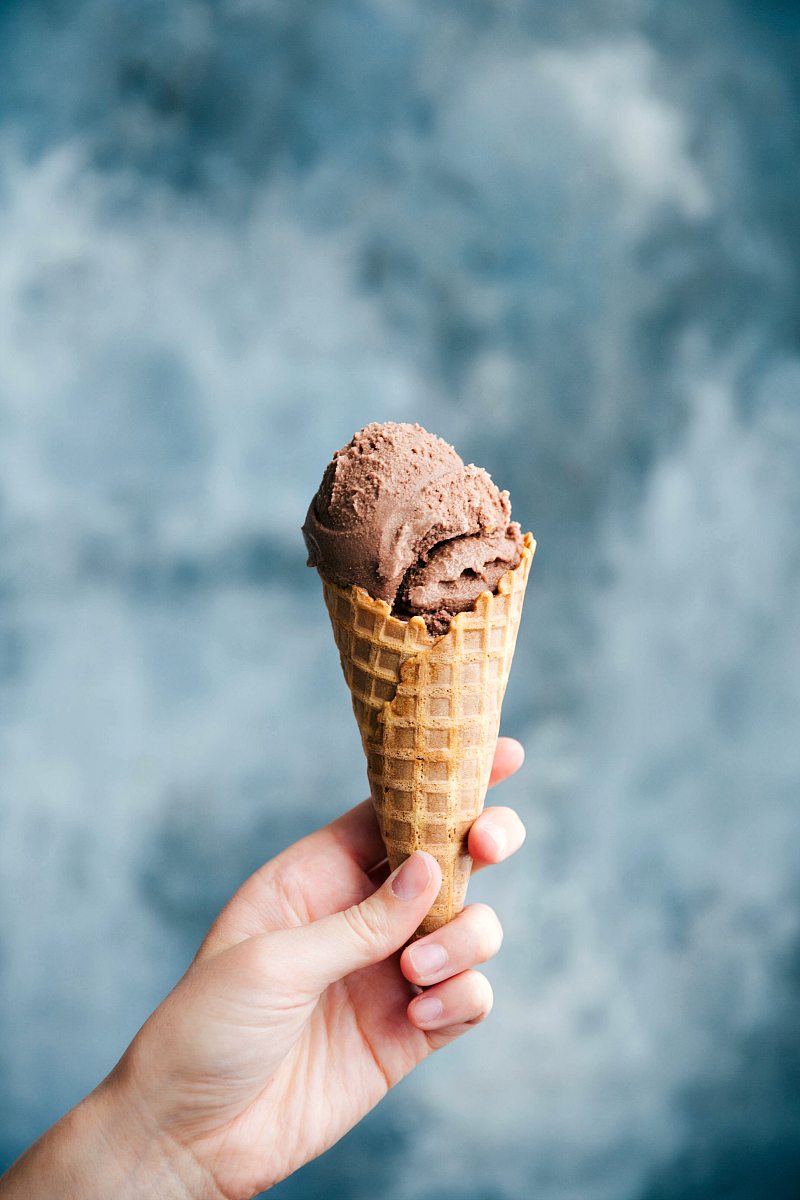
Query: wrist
(145, 1161)
(103, 1147)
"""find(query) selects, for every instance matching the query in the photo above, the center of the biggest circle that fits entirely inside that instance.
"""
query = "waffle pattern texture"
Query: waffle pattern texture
(429, 712)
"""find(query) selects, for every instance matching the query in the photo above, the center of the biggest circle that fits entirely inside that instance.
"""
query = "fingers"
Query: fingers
(355, 834)
(495, 835)
(334, 946)
(498, 832)
(472, 937)
(450, 1008)
(508, 758)
(336, 858)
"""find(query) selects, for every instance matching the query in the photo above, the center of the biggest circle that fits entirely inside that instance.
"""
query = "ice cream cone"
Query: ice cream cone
(429, 712)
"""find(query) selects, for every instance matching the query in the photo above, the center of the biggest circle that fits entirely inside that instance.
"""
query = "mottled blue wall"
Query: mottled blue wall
(564, 236)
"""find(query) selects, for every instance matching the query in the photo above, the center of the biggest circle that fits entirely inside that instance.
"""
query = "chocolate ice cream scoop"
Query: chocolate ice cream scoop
(400, 515)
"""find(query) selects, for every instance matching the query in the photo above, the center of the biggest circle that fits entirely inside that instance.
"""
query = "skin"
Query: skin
(295, 1018)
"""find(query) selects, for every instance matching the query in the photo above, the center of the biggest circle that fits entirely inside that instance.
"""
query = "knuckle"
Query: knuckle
(483, 998)
(365, 924)
(487, 931)
(268, 955)
(480, 1008)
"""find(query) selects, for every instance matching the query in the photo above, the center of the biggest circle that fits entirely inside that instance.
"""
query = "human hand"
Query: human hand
(297, 1015)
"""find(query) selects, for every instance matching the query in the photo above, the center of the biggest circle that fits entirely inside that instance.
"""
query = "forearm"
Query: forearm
(100, 1150)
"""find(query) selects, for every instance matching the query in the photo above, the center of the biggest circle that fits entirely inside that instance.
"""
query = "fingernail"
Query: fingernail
(496, 834)
(411, 878)
(427, 1010)
(428, 958)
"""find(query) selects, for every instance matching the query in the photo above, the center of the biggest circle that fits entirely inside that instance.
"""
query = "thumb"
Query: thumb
(334, 946)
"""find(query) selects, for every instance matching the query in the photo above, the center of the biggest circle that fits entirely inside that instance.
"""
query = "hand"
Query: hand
(297, 1015)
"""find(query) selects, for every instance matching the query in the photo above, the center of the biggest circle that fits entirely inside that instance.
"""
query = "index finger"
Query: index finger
(508, 758)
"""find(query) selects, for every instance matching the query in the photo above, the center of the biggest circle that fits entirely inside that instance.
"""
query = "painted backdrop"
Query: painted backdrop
(563, 236)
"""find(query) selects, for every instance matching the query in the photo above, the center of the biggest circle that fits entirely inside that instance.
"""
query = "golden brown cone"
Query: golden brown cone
(429, 712)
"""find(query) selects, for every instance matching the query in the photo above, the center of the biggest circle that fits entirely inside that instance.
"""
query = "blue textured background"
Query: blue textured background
(563, 236)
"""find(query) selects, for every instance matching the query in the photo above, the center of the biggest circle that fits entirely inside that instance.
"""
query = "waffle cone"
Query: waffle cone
(429, 712)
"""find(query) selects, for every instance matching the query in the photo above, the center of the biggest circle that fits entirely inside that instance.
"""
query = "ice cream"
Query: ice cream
(424, 577)
(399, 514)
